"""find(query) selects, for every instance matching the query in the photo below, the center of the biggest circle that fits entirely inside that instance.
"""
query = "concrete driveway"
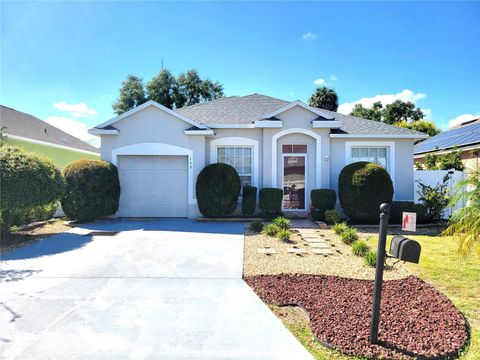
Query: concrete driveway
(158, 289)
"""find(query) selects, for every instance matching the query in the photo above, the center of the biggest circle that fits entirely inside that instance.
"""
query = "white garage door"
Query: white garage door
(153, 186)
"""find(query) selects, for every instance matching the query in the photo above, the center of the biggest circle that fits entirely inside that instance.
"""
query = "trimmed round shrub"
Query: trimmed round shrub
(217, 189)
(270, 201)
(332, 217)
(398, 207)
(360, 248)
(362, 188)
(249, 200)
(281, 222)
(271, 230)
(284, 235)
(28, 184)
(371, 258)
(349, 235)
(93, 190)
(256, 226)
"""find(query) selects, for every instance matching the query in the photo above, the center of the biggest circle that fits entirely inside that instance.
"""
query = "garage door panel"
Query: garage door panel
(153, 186)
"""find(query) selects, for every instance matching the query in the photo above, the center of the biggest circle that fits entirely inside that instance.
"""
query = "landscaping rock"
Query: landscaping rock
(416, 320)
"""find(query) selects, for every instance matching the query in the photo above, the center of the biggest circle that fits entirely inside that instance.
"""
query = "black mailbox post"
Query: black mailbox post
(405, 249)
(400, 248)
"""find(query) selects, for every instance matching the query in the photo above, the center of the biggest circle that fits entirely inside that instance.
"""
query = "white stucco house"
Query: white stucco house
(270, 142)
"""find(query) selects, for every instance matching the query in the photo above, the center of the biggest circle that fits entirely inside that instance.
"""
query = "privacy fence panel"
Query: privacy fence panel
(433, 177)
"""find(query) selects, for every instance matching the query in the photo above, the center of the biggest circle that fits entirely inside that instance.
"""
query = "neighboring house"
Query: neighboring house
(270, 142)
(464, 138)
(34, 135)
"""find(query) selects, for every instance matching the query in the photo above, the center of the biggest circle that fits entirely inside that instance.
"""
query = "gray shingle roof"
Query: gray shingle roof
(461, 136)
(250, 108)
(21, 124)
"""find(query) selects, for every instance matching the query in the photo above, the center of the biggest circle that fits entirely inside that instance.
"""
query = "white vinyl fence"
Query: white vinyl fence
(432, 178)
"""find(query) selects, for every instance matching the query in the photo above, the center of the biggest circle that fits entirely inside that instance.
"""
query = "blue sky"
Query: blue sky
(64, 62)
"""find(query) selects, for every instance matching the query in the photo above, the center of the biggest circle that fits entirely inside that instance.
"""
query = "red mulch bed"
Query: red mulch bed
(416, 320)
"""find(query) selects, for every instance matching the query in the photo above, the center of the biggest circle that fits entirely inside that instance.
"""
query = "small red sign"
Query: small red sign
(409, 221)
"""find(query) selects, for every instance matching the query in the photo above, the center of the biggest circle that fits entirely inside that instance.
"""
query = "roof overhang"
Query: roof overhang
(33, 141)
(314, 110)
(97, 131)
(326, 124)
(199, 132)
(378, 136)
(156, 105)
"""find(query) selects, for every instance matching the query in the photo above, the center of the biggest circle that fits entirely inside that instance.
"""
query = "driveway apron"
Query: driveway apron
(137, 289)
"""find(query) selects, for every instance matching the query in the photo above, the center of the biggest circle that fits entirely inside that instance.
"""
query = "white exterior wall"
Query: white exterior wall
(402, 163)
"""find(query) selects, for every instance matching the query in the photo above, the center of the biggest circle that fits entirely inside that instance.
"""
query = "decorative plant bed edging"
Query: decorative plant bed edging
(416, 320)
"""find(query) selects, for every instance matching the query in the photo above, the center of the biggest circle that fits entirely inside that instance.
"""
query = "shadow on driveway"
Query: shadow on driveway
(49, 246)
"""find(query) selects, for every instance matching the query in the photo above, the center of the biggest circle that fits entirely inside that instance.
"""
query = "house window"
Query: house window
(294, 149)
(376, 155)
(241, 158)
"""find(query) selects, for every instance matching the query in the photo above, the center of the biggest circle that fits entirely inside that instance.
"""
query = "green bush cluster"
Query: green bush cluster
(93, 190)
(451, 160)
(30, 187)
(281, 223)
(349, 235)
(322, 200)
(339, 228)
(217, 190)
(332, 217)
(284, 234)
(256, 226)
(398, 207)
(371, 258)
(270, 202)
(363, 187)
(249, 200)
(271, 230)
(360, 248)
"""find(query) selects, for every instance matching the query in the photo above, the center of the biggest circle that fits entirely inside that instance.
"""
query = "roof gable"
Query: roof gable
(146, 105)
(316, 111)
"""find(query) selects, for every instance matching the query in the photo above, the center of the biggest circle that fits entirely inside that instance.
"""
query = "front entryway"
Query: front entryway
(294, 176)
(153, 186)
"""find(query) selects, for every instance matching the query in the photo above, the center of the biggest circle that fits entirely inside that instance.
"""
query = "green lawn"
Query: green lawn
(456, 277)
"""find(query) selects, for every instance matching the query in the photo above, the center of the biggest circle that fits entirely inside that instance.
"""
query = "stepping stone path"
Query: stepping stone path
(296, 250)
(317, 243)
(266, 251)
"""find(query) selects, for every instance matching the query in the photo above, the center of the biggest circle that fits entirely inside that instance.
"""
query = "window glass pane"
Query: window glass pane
(247, 152)
(220, 152)
(363, 152)
(355, 153)
(299, 149)
(382, 152)
(287, 149)
(229, 152)
(372, 152)
(246, 180)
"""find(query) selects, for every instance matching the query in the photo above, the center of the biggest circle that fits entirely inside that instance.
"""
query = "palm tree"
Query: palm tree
(464, 225)
(324, 98)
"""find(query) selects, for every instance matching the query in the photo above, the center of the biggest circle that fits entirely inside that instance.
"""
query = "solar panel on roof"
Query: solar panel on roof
(461, 136)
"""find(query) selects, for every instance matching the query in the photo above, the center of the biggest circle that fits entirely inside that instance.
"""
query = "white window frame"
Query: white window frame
(237, 142)
(307, 190)
(390, 145)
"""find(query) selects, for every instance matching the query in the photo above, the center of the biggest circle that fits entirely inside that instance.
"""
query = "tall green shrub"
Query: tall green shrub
(249, 200)
(28, 183)
(399, 207)
(363, 187)
(270, 202)
(322, 200)
(93, 190)
(217, 189)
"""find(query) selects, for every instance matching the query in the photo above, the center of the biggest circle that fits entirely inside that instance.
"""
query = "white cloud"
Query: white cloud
(461, 119)
(75, 110)
(74, 128)
(319, 82)
(404, 95)
(309, 36)
(333, 78)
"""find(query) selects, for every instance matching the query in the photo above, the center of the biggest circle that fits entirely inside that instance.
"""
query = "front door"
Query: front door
(294, 182)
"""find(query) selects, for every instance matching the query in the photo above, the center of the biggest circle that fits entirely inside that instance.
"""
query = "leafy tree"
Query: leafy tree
(464, 225)
(399, 111)
(451, 160)
(193, 90)
(427, 127)
(132, 94)
(430, 162)
(324, 98)
(163, 89)
(374, 113)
